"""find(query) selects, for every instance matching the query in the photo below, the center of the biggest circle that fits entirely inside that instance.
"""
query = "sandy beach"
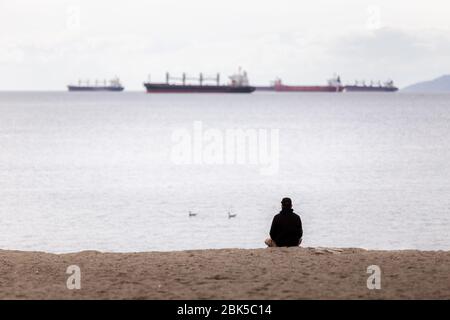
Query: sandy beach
(275, 273)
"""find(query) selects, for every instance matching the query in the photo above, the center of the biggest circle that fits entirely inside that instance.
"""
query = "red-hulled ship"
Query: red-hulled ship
(238, 84)
(333, 85)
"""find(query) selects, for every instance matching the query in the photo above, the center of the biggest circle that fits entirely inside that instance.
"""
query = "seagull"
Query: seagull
(191, 214)
(231, 215)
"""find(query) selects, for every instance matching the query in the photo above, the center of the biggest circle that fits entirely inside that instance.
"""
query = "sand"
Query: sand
(273, 273)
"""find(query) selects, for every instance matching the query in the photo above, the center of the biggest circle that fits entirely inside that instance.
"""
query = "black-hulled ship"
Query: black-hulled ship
(113, 85)
(388, 86)
(238, 84)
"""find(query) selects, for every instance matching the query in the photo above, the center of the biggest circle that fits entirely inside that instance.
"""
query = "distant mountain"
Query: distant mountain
(441, 84)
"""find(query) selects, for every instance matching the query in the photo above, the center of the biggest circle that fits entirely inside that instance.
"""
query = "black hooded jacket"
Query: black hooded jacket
(286, 229)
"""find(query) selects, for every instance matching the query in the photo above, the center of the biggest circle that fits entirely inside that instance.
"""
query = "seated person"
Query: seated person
(286, 230)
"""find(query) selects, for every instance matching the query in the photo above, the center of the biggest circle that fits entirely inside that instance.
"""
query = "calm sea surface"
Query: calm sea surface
(96, 171)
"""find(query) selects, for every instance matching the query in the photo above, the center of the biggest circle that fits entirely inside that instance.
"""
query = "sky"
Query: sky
(47, 44)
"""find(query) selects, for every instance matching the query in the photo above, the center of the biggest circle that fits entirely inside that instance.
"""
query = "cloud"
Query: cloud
(405, 55)
(381, 45)
(62, 41)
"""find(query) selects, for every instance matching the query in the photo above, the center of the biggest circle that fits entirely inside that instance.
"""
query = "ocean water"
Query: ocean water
(97, 171)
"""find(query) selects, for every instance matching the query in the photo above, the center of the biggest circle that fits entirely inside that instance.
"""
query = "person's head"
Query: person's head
(286, 203)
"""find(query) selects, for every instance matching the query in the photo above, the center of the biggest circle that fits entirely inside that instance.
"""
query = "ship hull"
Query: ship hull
(265, 88)
(369, 89)
(284, 88)
(90, 89)
(175, 88)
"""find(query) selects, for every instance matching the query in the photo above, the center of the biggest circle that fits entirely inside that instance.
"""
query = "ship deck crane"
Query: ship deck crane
(200, 79)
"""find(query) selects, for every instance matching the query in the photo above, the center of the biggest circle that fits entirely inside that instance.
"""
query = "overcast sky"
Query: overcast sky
(47, 44)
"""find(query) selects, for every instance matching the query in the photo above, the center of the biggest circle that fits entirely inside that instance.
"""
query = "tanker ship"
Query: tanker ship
(114, 85)
(388, 86)
(238, 84)
(333, 85)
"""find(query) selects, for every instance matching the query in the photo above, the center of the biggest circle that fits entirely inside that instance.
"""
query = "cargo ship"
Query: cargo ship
(333, 85)
(114, 85)
(238, 84)
(388, 86)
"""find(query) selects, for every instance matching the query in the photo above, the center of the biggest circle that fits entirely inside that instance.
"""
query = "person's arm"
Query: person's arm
(300, 228)
(274, 229)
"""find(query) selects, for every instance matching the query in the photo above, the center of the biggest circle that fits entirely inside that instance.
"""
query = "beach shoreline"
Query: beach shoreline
(272, 273)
